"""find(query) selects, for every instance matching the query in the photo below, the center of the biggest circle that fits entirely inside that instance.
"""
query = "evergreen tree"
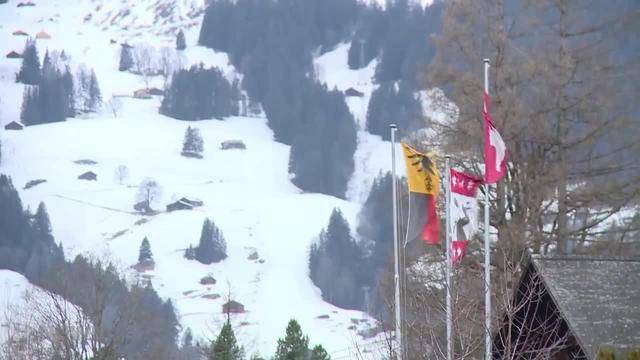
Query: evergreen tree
(95, 97)
(317, 165)
(295, 345)
(144, 255)
(126, 58)
(393, 102)
(212, 246)
(30, 70)
(69, 89)
(181, 43)
(319, 353)
(190, 253)
(193, 145)
(199, 93)
(336, 264)
(31, 112)
(42, 224)
(226, 347)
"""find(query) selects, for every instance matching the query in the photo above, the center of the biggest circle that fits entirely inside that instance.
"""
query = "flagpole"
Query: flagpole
(396, 252)
(487, 248)
(448, 262)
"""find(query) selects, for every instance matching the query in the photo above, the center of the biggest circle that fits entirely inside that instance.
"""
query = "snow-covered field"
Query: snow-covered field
(248, 193)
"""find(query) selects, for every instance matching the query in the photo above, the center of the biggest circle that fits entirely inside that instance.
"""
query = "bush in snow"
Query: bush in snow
(181, 43)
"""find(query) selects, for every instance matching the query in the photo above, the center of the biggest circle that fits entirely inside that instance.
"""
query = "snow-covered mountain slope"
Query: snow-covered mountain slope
(248, 193)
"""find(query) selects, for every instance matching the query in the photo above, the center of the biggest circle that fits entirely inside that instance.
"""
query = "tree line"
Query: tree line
(53, 93)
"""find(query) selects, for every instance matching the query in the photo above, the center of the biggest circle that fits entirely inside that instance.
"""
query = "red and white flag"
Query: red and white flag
(495, 151)
(463, 212)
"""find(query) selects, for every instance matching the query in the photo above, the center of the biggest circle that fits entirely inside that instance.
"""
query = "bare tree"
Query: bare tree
(558, 99)
(149, 191)
(45, 326)
(145, 62)
(121, 173)
(168, 63)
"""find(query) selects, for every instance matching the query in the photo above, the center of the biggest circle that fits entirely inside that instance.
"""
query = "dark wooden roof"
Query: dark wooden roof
(598, 297)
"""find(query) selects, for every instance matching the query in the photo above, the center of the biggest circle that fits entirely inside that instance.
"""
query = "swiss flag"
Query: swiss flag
(495, 151)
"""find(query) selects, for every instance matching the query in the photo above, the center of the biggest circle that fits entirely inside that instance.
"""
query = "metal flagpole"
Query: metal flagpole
(448, 260)
(400, 349)
(487, 248)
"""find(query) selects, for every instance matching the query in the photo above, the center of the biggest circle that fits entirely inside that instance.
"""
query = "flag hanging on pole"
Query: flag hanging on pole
(423, 179)
(495, 150)
(463, 221)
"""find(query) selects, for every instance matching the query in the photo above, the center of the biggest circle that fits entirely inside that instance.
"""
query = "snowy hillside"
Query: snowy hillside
(247, 193)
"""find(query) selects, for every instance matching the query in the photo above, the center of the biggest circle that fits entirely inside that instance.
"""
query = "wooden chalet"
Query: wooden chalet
(572, 307)
(179, 205)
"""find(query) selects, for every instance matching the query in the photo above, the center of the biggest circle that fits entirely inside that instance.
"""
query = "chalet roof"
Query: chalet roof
(14, 55)
(43, 35)
(598, 297)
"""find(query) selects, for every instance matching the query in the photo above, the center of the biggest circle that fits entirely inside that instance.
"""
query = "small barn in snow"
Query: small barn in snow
(43, 35)
(351, 92)
(232, 144)
(89, 175)
(179, 205)
(14, 125)
(232, 307)
(14, 55)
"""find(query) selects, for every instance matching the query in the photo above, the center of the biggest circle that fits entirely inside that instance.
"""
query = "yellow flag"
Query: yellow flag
(422, 174)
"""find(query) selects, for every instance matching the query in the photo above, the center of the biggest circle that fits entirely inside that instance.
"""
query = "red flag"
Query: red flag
(463, 211)
(430, 229)
(458, 249)
(495, 151)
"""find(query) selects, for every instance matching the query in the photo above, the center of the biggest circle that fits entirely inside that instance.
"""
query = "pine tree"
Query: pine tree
(190, 253)
(31, 113)
(30, 70)
(226, 347)
(181, 43)
(95, 97)
(212, 246)
(319, 353)
(69, 88)
(193, 145)
(145, 256)
(336, 264)
(42, 224)
(126, 58)
(295, 345)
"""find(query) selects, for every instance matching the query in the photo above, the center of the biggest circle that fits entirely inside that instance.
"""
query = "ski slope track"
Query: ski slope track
(248, 193)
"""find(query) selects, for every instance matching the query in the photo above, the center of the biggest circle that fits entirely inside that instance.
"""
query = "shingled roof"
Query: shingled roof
(599, 298)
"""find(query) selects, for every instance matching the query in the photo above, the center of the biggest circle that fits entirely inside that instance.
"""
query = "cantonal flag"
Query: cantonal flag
(424, 184)
(463, 212)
